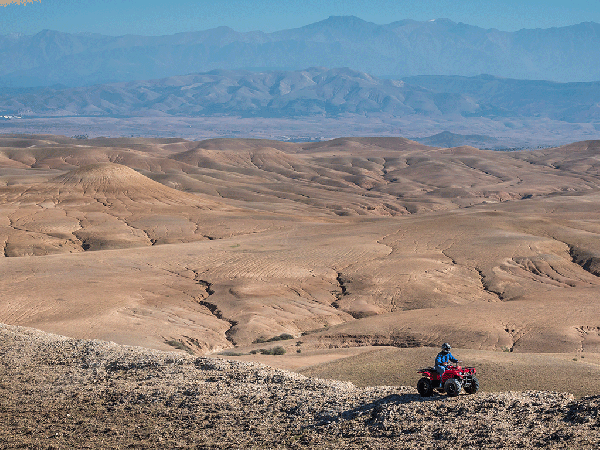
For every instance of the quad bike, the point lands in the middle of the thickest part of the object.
(454, 379)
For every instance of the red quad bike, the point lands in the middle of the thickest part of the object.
(455, 379)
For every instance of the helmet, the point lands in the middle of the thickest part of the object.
(446, 347)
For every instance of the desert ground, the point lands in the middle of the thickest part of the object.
(364, 253)
(96, 394)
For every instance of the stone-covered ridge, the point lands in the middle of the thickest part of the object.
(62, 392)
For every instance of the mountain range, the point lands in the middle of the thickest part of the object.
(395, 50)
(313, 92)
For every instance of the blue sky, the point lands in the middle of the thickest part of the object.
(153, 17)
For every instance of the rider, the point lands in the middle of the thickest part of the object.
(441, 360)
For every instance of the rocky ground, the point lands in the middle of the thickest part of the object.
(57, 392)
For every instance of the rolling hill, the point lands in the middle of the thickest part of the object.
(315, 92)
(352, 242)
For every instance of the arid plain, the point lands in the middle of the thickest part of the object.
(347, 245)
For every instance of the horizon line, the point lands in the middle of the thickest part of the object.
(19, 34)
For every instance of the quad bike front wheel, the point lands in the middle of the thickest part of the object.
(425, 387)
(452, 387)
(473, 386)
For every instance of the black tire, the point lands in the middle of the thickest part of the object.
(424, 387)
(473, 387)
(452, 387)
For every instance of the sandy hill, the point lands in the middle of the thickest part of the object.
(119, 180)
(107, 205)
(366, 143)
(579, 157)
(245, 144)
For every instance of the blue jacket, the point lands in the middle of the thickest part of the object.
(443, 358)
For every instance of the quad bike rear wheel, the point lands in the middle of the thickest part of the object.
(452, 387)
(424, 387)
(473, 386)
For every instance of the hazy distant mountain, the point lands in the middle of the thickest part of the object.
(448, 139)
(570, 102)
(314, 91)
(399, 49)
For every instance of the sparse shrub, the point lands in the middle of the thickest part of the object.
(279, 350)
(298, 350)
(281, 337)
(232, 353)
(306, 333)
(180, 346)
